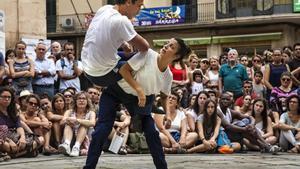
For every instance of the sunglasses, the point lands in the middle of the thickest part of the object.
(286, 79)
(34, 104)
(173, 97)
(67, 96)
(256, 61)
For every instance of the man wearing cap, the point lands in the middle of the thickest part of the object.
(232, 75)
(204, 65)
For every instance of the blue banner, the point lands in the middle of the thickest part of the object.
(160, 16)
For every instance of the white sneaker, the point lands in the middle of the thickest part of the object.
(75, 151)
(274, 149)
(64, 148)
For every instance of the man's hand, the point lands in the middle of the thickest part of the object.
(141, 97)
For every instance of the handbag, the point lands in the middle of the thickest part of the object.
(223, 139)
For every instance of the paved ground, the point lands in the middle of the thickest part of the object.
(205, 161)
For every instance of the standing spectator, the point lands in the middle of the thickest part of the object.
(204, 65)
(2, 68)
(69, 69)
(213, 73)
(295, 63)
(55, 51)
(273, 71)
(193, 64)
(43, 81)
(232, 72)
(258, 87)
(7, 80)
(257, 64)
(244, 61)
(21, 69)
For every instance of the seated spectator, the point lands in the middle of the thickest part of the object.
(38, 123)
(69, 101)
(192, 100)
(56, 116)
(176, 138)
(246, 107)
(18, 142)
(247, 90)
(289, 125)
(121, 125)
(77, 123)
(22, 106)
(94, 95)
(263, 123)
(208, 126)
(244, 127)
(198, 109)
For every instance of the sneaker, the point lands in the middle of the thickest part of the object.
(273, 149)
(225, 149)
(64, 148)
(75, 152)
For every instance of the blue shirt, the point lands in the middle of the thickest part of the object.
(233, 78)
(44, 65)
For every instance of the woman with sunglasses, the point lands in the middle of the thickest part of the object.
(37, 121)
(279, 95)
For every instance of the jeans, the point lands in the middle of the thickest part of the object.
(109, 100)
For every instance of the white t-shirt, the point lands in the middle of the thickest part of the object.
(196, 88)
(148, 75)
(68, 70)
(106, 33)
(192, 113)
(176, 123)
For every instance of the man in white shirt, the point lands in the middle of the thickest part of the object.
(109, 30)
(151, 75)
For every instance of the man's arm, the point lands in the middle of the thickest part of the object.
(227, 125)
(139, 43)
(125, 71)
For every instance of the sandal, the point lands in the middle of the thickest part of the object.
(296, 149)
(122, 150)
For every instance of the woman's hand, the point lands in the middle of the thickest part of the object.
(207, 144)
(13, 147)
(21, 143)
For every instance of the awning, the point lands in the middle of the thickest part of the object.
(225, 39)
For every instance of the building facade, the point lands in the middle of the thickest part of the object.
(210, 26)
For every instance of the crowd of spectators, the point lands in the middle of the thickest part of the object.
(219, 104)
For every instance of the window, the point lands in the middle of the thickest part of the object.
(111, 2)
(51, 15)
(223, 6)
(263, 5)
(244, 3)
(282, 2)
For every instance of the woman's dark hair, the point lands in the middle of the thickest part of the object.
(55, 97)
(286, 74)
(264, 113)
(197, 72)
(173, 92)
(11, 109)
(123, 1)
(290, 98)
(209, 122)
(21, 42)
(36, 97)
(196, 106)
(183, 50)
(8, 52)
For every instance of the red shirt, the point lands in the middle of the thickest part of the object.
(178, 74)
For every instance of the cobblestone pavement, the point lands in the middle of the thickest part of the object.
(195, 161)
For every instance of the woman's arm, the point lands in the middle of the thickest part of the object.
(31, 70)
(217, 128)
(125, 71)
(12, 70)
(90, 122)
(159, 121)
(267, 77)
(269, 130)
(54, 117)
(191, 122)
